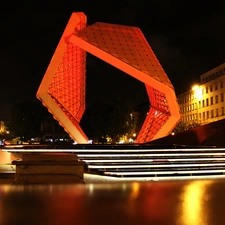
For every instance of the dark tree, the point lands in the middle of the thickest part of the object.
(26, 119)
(85, 123)
(183, 126)
(119, 117)
(98, 120)
(141, 113)
(104, 120)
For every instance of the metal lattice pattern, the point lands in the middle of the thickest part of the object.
(157, 100)
(65, 82)
(70, 73)
(124, 48)
(128, 45)
(152, 124)
(157, 116)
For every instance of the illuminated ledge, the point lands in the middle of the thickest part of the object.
(19, 148)
(124, 155)
(179, 152)
(152, 155)
(153, 166)
(144, 179)
(163, 173)
(150, 160)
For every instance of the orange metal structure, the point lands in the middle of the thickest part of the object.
(62, 89)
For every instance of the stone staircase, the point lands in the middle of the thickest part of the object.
(144, 161)
(154, 161)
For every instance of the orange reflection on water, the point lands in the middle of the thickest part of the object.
(135, 190)
(194, 207)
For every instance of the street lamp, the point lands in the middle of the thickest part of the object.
(197, 92)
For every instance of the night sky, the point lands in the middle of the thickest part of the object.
(188, 38)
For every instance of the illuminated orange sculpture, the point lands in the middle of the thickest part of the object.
(62, 89)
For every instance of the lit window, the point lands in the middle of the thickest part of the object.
(212, 113)
(216, 98)
(217, 112)
(211, 100)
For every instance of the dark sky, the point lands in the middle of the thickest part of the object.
(188, 38)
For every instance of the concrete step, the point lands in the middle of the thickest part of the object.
(143, 160)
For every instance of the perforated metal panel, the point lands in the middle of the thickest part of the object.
(127, 49)
(157, 116)
(62, 90)
(128, 44)
(68, 84)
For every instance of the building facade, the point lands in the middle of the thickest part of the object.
(204, 103)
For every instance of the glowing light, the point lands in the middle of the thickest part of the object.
(131, 140)
(91, 188)
(194, 202)
(197, 92)
(151, 155)
(150, 160)
(154, 166)
(135, 190)
(19, 148)
(155, 173)
(195, 87)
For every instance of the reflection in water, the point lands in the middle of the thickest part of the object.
(194, 209)
(1, 213)
(135, 190)
(176, 202)
(91, 188)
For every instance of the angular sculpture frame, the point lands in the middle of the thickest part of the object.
(62, 89)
